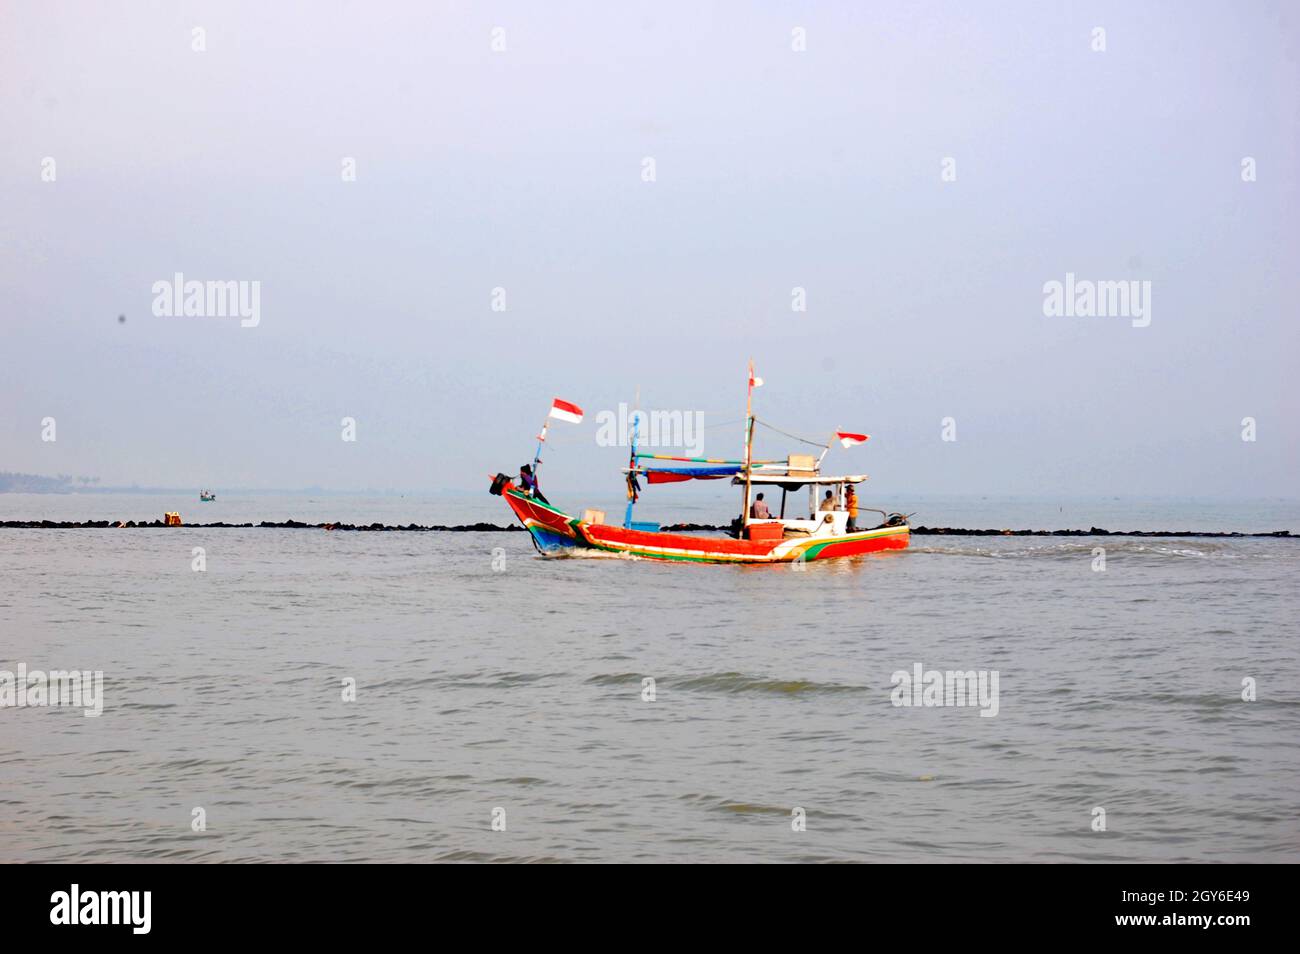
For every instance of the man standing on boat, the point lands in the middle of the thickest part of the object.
(759, 511)
(528, 481)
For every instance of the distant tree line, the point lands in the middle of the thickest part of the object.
(15, 483)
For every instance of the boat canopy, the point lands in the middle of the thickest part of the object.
(659, 474)
(793, 480)
(665, 474)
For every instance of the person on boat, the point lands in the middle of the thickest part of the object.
(528, 481)
(759, 511)
(828, 502)
(851, 505)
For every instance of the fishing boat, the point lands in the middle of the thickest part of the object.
(827, 530)
(207, 495)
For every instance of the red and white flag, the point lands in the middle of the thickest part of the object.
(564, 411)
(848, 440)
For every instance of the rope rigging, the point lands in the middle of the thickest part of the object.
(796, 437)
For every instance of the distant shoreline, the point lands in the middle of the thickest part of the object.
(234, 492)
(676, 528)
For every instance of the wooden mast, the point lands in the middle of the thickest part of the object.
(631, 463)
(749, 439)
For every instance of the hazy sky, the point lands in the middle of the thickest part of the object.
(775, 168)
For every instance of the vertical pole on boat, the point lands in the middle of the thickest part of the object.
(825, 450)
(631, 463)
(749, 439)
(541, 439)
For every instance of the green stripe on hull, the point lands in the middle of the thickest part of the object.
(538, 504)
(812, 551)
(646, 555)
(809, 553)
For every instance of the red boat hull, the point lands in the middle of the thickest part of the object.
(555, 532)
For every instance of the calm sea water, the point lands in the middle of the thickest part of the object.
(489, 678)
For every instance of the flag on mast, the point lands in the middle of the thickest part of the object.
(848, 440)
(566, 411)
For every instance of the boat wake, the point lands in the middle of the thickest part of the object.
(732, 682)
(583, 553)
(1201, 550)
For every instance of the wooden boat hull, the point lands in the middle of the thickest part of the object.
(556, 533)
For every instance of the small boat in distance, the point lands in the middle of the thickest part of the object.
(829, 530)
(207, 495)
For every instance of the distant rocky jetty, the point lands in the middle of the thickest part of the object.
(962, 532)
(267, 524)
(675, 528)
(1092, 532)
